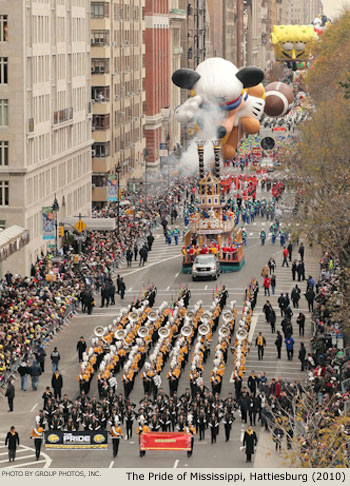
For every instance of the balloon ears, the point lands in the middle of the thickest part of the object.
(250, 76)
(185, 78)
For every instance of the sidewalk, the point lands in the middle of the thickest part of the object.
(266, 455)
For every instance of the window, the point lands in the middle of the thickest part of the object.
(99, 66)
(100, 38)
(4, 113)
(101, 149)
(3, 28)
(4, 193)
(3, 70)
(101, 122)
(99, 10)
(100, 93)
(4, 153)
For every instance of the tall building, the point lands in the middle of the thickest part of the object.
(157, 82)
(216, 26)
(194, 40)
(117, 91)
(45, 116)
(177, 18)
(229, 30)
(259, 51)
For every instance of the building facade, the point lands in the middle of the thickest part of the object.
(229, 31)
(45, 116)
(117, 92)
(259, 51)
(177, 18)
(157, 83)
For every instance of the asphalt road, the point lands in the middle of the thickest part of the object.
(164, 269)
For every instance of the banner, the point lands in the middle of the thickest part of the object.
(112, 188)
(48, 223)
(85, 439)
(166, 441)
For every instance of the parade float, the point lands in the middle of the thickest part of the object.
(225, 103)
(212, 229)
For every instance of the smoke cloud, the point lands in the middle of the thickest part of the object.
(208, 119)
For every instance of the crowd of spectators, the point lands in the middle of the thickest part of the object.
(33, 307)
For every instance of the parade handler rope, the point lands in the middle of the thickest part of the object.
(166, 441)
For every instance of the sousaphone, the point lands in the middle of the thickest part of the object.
(120, 334)
(99, 331)
(142, 332)
(241, 335)
(203, 329)
(163, 332)
(133, 317)
(227, 316)
(186, 330)
(153, 316)
(224, 331)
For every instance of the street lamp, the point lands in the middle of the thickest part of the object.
(55, 209)
(118, 171)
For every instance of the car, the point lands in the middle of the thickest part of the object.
(205, 266)
(267, 164)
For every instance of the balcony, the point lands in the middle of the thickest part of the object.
(62, 116)
(99, 194)
(101, 166)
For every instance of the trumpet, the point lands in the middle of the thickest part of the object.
(120, 334)
(203, 329)
(99, 331)
(142, 332)
(224, 331)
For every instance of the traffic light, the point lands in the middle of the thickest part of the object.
(61, 231)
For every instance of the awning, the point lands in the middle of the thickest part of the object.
(92, 224)
(12, 239)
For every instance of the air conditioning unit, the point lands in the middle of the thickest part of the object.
(142, 116)
(116, 97)
(122, 88)
(136, 118)
(93, 153)
(127, 42)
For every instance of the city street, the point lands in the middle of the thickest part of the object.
(164, 269)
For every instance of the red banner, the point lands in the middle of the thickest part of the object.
(279, 129)
(166, 441)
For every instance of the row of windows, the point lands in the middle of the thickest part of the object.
(41, 185)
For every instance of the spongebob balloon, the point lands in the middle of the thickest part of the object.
(293, 43)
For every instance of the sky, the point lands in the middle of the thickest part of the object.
(332, 7)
